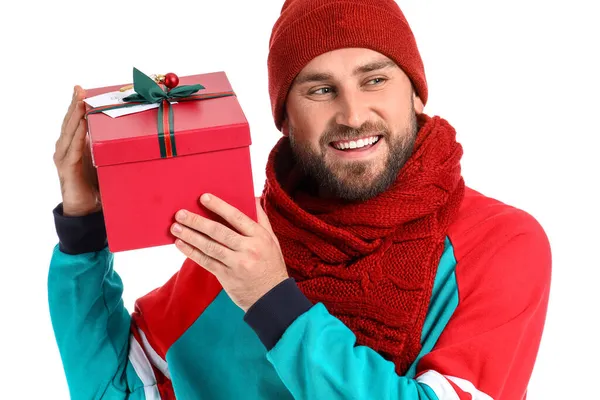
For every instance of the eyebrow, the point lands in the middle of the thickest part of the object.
(362, 69)
(374, 66)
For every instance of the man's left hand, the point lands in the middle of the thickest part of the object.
(248, 263)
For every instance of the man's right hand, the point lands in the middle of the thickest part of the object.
(78, 177)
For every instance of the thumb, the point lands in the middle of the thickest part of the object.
(263, 220)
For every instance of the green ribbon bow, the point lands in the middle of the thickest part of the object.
(147, 91)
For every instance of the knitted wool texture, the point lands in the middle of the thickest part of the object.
(309, 28)
(373, 263)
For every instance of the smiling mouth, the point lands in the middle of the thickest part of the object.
(359, 144)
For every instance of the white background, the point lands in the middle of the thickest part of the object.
(518, 80)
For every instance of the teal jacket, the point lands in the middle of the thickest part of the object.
(188, 340)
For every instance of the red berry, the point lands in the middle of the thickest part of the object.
(171, 80)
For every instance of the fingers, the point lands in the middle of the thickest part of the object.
(74, 100)
(212, 229)
(213, 265)
(240, 221)
(71, 124)
(76, 148)
(76, 117)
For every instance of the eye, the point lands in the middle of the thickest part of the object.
(376, 81)
(322, 90)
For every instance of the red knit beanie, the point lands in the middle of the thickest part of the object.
(308, 28)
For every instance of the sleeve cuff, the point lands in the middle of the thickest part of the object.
(78, 235)
(273, 313)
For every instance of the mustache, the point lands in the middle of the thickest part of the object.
(343, 132)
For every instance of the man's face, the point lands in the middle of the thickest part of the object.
(350, 116)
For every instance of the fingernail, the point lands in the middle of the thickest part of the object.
(205, 198)
(176, 228)
(181, 214)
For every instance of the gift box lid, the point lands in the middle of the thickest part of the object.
(199, 126)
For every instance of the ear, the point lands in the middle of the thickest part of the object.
(418, 104)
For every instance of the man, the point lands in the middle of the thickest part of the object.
(372, 272)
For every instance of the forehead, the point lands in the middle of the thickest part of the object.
(344, 63)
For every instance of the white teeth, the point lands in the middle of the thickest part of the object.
(356, 144)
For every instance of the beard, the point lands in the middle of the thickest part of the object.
(355, 180)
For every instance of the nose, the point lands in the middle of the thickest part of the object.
(352, 110)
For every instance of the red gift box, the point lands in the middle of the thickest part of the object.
(142, 189)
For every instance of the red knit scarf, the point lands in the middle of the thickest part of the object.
(372, 264)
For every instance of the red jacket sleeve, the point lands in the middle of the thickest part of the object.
(489, 347)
